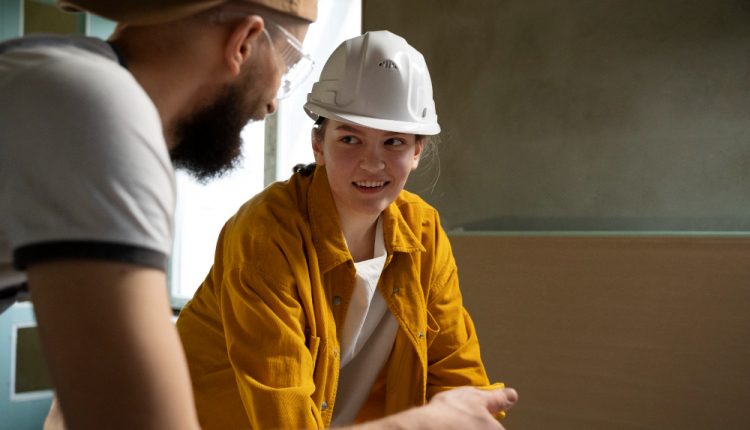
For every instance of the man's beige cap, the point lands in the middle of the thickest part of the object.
(143, 12)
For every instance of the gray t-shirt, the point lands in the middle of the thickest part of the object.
(84, 168)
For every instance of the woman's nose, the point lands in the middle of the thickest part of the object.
(372, 160)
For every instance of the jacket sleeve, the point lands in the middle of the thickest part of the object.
(452, 345)
(264, 332)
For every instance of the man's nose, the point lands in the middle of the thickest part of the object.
(271, 107)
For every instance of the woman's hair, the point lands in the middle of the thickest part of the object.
(304, 169)
(429, 155)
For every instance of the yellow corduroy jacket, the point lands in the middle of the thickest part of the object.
(260, 334)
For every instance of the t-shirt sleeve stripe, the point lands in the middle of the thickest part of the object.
(27, 255)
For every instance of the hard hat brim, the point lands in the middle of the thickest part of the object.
(315, 111)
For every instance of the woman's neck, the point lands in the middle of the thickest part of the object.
(360, 237)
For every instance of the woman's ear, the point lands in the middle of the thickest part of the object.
(317, 147)
(238, 47)
(418, 148)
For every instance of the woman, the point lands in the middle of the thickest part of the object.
(334, 296)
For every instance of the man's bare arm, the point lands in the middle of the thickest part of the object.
(113, 352)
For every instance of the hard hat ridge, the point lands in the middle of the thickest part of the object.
(379, 81)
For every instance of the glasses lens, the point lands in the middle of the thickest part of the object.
(298, 65)
(295, 76)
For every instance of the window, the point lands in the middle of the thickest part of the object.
(29, 379)
(25, 385)
(202, 210)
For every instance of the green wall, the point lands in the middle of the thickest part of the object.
(18, 17)
(585, 114)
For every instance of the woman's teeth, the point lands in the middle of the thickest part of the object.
(370, 184)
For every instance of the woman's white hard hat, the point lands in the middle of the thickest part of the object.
(376, 80)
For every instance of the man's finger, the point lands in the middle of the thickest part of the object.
(500, 400)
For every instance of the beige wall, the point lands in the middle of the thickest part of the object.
(613, 333)
(585, 114)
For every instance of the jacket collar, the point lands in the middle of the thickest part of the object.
(326, 230)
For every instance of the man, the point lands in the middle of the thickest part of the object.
(87, 130)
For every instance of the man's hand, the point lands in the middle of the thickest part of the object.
(470, 408)
(461, 408)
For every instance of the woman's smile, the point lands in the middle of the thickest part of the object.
(370, 187)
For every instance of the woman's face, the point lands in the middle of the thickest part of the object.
(367, 168)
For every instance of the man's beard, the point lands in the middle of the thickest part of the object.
(208, 142)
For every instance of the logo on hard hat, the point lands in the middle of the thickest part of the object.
(388, 64)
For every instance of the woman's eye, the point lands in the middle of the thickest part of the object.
(394, 142)
(349, 139)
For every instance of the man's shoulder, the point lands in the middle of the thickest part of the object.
(76, 84)
(31, 56)
(57, 45)
(62, 66)
(86, 154)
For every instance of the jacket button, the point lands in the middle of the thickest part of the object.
(336, 300)
(323, 406)
(421, 335)
(396, 290)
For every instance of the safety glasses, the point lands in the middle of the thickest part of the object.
(298, 65)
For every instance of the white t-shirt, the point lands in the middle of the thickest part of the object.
(366, 338)
(84, 168)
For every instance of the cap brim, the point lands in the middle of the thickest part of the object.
(148, 12)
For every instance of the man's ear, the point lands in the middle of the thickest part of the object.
(239, 44)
